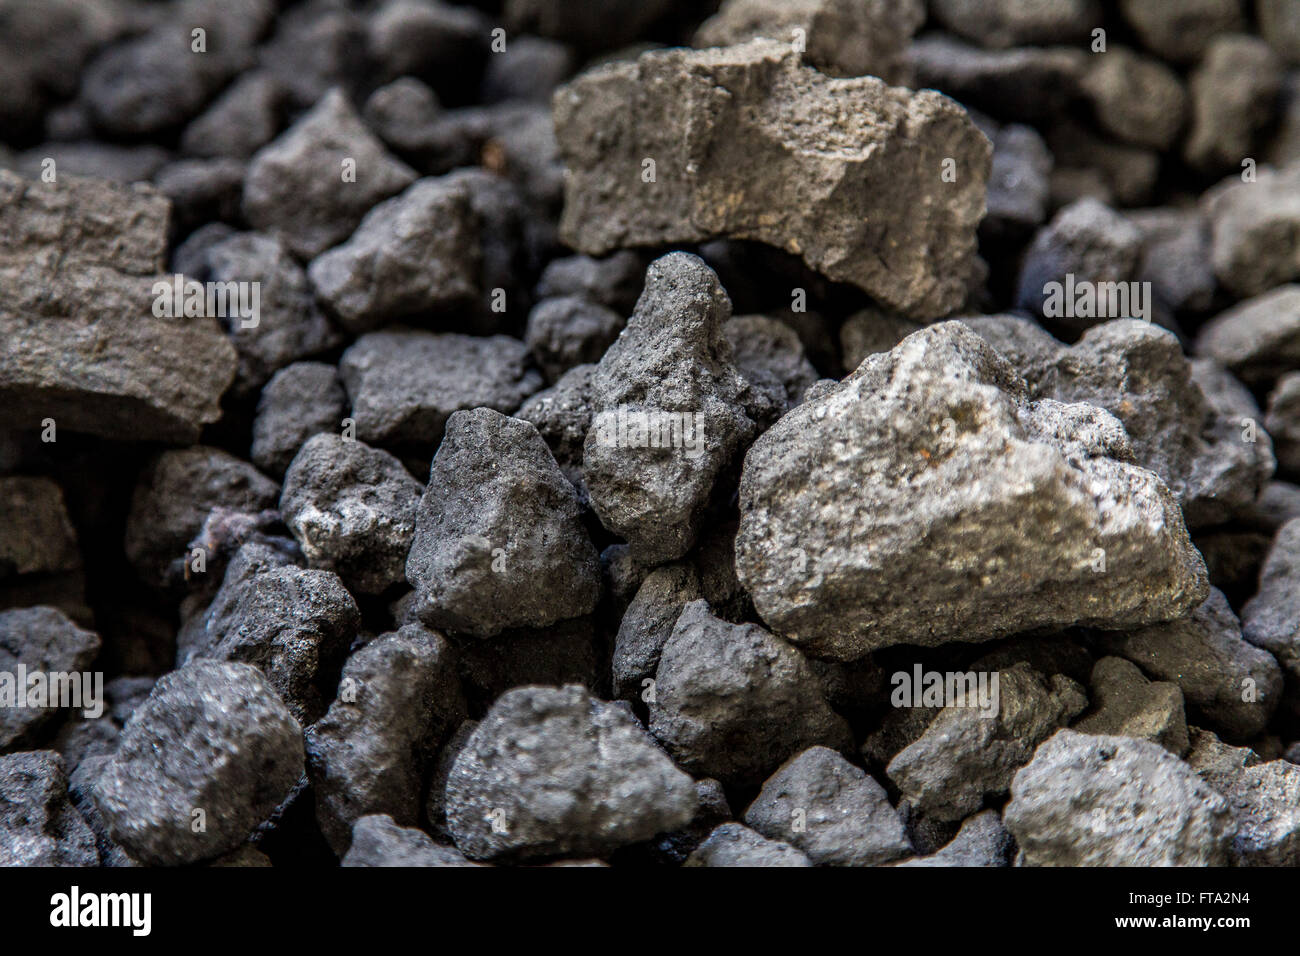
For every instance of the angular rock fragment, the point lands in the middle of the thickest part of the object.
(378, 841)
(648, 624)
(498, 541)
(821, 804)
(352, 509)
(869, 331)
(240, 121)
(173, 498)
(732, 701)
(1257, 340)
(213, 743)
(769, 354)
(1019, 186)
(1136, 98)
(1115, 801)
(669, 412)
(967, 754)
(861, 198)
(40, 643)
(300, 400)
(925, 500)
(562, 415)
(1283, 422)
(530, 68)
(553, 772)
(1181, 32)
(404, 383)
(295, 625)
(372, 752)
(298, 186)
(1006, 23)
(85, 345)
(1232, 97)
(732, 844)
(1279, 22)
(413, 254)
(569, 331)
(38, 824)
(36, 535)
(1255, 227)
(1124, 174)
(1176, 257)
(1229, 684)
(614, 282)
(676, 847)
(427, 38)
(1126, 704)
(981, 841)
(839, 37)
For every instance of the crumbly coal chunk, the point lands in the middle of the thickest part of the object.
(300, 400)
(39, 826)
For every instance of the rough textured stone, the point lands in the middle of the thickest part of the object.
(846, 817)
(562, 415)
(404, 383)
(648, 624)
(1232, 97)
(1176, 257)
(770, 355)
(78, 263)
(530, 68)
(378, 841)
(1256, 230)
(212, 737)
(966, 755)
(371, 753)
(869, 331)
(732, 701)
(1283, 422)
(295, 625)
(498, 541)
(352, 509)
(1181, 32)
(840, 37)
(1019, 183)
(569, 331)
(413, 254)
(673, 367)
(1279, 22)
(861, 530)
(981, 841)
(732, 844)
(36, 535)
(614, 282)
(296, 187)
(1006, 23)
(563, 774)
(1115, 801)
(1126, 704)
(38, 825)
(1136, 98)
(427, 38)
(300, 400)
(43, 641)
(1228, 684)
(1257, 340)
(837, 182)
(240, 121)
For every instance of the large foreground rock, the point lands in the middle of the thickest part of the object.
(924, 500)
(747, 143)
(82, 344)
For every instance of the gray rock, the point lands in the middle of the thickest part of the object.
(1279, 22)
(289, 325)
(295, 625)
(401, 112)
(427, 38)
(732, 844)
(1019, 184)
(1264, 797)
(553, 772)
(300, 400)
(1254, 227)
(569, 331)
(591, 26)
(38, 824)
(404, 383)
(832, 811)
(701, 115)
(352, 509)
(240, 121)
(530, 68)
(862, 529)
(562, 415)
(1115, 801)
(36, 534)
(770, 355)
(1257, 340)
(648, 624)
(1136, 98)
(1283, 421)
(499, 542)
(1176, 257)
(1271, 619)
(614, 282)
(372, 752)
(840, 37)
(675, 848)
(732, 701)
(1232, 97)
(1089, 241)
(174, 496)
(1126, 704)
(378, 841)
(1181, 32)
(122, 164)
(212, 737)
(1007, 23)
(669, 412)
(967, 755)
(1127, 175)
(981, 841)
(79, 260)
(413, 254)
(869, 331)
(46, 644)
(1277, 504)
(1283, 139)
(296, 185)
(1228, 684)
